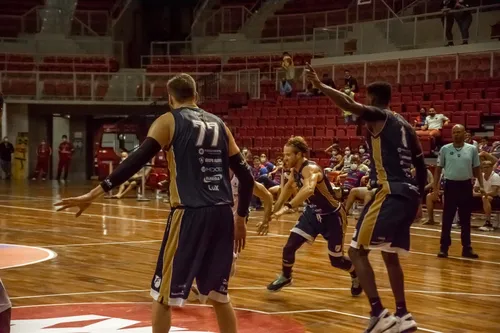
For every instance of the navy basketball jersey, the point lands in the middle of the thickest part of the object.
(323, 200)
(198, 160)
(392, 151)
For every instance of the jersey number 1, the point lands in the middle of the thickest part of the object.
(203, 132)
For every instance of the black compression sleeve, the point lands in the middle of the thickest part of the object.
(132, 164)
(242, 171)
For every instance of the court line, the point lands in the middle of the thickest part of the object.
(236, 308)
(280, 220)
(287, 289)
(50, 255)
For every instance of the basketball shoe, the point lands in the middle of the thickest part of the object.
(406, 324)
(356, 289)
(383, 323)
(279, 283)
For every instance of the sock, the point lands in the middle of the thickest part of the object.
(353, 274)
(287, 272)
(401, 309)
(376, 305)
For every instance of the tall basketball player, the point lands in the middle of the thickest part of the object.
(200, 236)
(385, 221)
(5, 305)
(323, 214)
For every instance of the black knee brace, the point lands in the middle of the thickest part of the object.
(341, 263)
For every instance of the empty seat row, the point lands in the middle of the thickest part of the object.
(332, 130)
(55, 88)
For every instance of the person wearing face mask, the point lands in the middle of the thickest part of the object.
(265, 162)
(43, 154)
(66, 151)
(469, 140)
(336, 159)
(352, 177)
(420, 120)
(347, 159)
(363, 153)
(6, 151)
(433, 124)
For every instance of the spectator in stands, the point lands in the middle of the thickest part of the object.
(433, 124)
(351, 82)
(364, 155)
(336, 159)
(349, 118)
(6, 151)
(464, 19)
(469, 140)
(363, 194)
(258, 169)
(420, 120)
(43, 154)
(460, 162)
(495, 149)
(328, 80)
(66, 151)
(484, 145)
(246, 154)
(285, 88)
(288, 66)
(492, 193)
(484, 156)
(448, 20)
(352, 176)
(276, 174)
(347, 159)
(265, 162)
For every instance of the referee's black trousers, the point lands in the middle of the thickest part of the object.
(457, 195)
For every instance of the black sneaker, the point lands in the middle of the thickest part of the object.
(469, 253)
(279, 283)
(443, 253)
(356, 289)
(487, 226)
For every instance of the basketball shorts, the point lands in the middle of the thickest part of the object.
(385, 221)
(4, 299)
(198, 245)
(331, 226)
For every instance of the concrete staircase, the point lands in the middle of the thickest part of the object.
(203, 12)
(255, 24)
(56, 16)
(123, 84)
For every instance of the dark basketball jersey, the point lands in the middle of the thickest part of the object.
(392, 152)
(198, 160)
(323, 200)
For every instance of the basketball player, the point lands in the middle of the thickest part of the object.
(385, 221)
(5, 305)
(323, 214)
(200, 235)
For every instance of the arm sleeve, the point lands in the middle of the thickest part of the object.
(242, 171)
(130, 166)
(418, 162)
(372, 113)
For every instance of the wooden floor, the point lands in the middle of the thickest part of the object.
(109, 255)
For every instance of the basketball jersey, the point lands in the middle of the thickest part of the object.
(323, 200)
(198, 160)
(392, 153)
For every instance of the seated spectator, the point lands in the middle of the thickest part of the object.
(365, 165)
(469, 140)
(265, 162)
(492, 196)
(484, 145)
(285, 88)
(328, 81)
(364, 154)
(420, 120)
(258, 169)
(353, 176)
(495, 149)
(336, 160)
(346, 164)
(484, 156)
(288, 66)
(433, 124)
(363, 194)
(277, 172)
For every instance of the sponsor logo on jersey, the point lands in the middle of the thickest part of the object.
(212, 179)
(213, 188)
(136, 318)
(211, 169)
(213, 160)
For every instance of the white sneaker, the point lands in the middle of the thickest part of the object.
(384, 323)
(406, 324)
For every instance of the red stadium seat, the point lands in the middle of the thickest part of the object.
(476, 93)
(320, 131)
(426, 143)
(482, 105)
(439, 106)
(458, 117)
(435, 96)
(492, 93)
(428, 88)
(412, 107)
(495, 107)
(461, 94)
(452, 106)
(448, 95)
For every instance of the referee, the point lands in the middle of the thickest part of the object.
(460, 162)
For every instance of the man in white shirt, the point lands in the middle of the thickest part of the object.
(492, 196)
(5, 310)
(433, 124)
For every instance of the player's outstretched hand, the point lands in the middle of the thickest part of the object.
(312, 76)
(82, 202)
(263, 228)
(240, 233)
(280, 212)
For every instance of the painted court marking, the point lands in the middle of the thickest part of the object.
(25, 262)
(347, 314)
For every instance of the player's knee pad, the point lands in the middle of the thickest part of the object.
(340, 262)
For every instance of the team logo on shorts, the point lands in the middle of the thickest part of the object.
(136, 318)
(157, 282)
(338, 248)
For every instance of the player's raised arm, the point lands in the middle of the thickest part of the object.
(160, 135)
(266, 197)
(343, 101)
